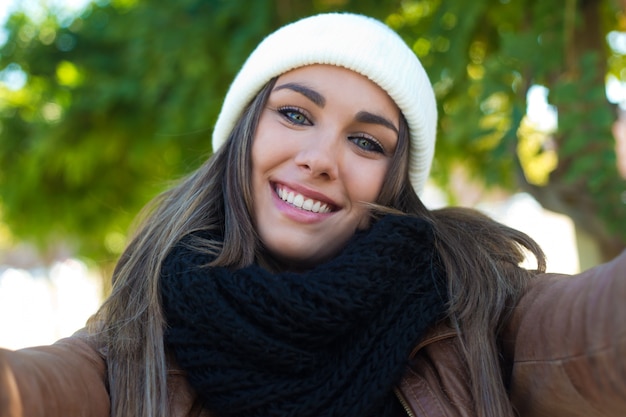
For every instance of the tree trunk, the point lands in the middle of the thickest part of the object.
(582, 36)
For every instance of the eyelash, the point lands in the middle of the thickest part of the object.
(376, 146)
(289, 111)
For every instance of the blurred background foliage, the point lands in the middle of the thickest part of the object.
(111, 105)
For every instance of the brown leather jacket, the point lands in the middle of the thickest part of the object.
(564, 350)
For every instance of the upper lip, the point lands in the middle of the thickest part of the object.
(308, 193)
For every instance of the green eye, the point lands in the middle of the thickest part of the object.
(367, 144)
(294, 116)
(364, 143)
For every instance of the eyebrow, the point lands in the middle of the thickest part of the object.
(362, 116)
(367, 117)
(309, 93)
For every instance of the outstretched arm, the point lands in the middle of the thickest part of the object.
(65, 379)
(567, 342)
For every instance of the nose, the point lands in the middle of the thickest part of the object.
(319, 156)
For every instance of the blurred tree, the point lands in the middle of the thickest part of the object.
(122, 99)
(117, 102)
(483, 57)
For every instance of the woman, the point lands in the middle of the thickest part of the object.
(297, 272)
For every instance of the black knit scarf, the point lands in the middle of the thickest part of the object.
(331, 341)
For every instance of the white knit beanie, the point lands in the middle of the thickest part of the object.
(359, 43)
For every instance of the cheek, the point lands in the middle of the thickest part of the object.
(269, 146)
(365, 186)
(263, 154)
(366, 183)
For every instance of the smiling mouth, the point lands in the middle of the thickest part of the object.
(302, 202)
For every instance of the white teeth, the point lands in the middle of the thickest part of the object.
(299, 201)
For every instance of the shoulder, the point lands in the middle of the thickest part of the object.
(436, 381)
(79, 351)
(183, 399)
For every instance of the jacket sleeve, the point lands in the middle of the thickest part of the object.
(66, 379)
(567, 345)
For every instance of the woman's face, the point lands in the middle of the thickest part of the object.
(323, 145)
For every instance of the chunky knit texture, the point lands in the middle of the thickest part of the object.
(331, 341)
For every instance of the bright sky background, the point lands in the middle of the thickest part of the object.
(35, 8)
(12, 76)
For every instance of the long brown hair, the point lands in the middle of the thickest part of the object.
(481, 258)
(130, 322)
(482, 261)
